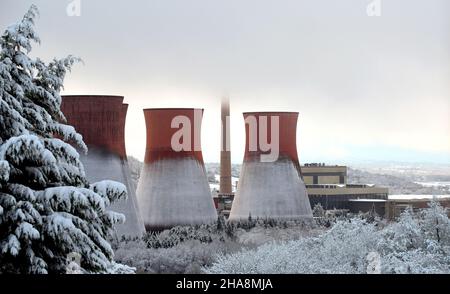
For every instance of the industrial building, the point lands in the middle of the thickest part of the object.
(101, 122)
(394, 205)
(266, 188)
(327, 185)
(319, 173)
(173, 187)
(223, 203)
(364, 205)
(398, 203)
(333, 192)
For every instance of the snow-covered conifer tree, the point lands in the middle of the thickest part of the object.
(48, 210)
(436, 223)
(318, 210)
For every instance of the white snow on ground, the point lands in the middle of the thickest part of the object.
(260, 235)
(418, 243)
(434, 184)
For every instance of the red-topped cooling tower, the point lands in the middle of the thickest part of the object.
(173, 188)
(270, 185)
(100, 119)
(101, 122)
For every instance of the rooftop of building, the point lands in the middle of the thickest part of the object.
(367, 200)
(319, 164)
(331, 186)
(407, 197)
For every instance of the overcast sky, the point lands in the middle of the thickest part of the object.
(366, 88)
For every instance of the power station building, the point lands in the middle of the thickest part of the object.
(101, 122)
(173, 188)
(271, 187)
(327, 185)
(319, 174)
(398, 203)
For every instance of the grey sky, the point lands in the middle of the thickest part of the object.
(366, 87)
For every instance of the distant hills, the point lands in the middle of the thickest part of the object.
(400, 179)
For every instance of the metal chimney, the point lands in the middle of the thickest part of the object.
(271, 189)
(173, 188)
(101, 122)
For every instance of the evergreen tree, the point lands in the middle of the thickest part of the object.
(220, 223)
(318, 211)
(48, 209)
(436, 223)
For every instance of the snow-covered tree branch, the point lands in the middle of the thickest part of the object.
(48, 209)
(415, 243)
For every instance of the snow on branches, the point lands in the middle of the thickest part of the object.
(415, 243)
(48, 209)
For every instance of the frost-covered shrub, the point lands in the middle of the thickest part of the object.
(436, 224)
(328, 253)
(221, 231)
(401, 236)
(355, 245)
(176, 235)
(417, 261)
(185, 257)
(187, 249)
(318, 211)
(417, 243)
(251, 223)
(48, 210)
(414, 244)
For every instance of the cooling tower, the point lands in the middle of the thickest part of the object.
(173, 188)
(101, 122)
(271, 187)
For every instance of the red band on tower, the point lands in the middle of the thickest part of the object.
(99, 119)
(287, 133)
(159, 133)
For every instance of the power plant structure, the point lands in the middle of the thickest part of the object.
(225, 153)
(271, 184)
(327, 185)
(101, 122)
(173, 187)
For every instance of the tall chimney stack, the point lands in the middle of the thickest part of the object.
(225, 154)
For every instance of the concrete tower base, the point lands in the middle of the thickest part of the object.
(175, 192)
(100, 165)
(173, 188)
(270, 190)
